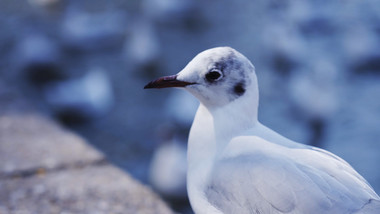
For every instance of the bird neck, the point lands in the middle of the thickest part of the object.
(234, 118)
(213, 128)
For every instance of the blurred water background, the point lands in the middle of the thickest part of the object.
(85, 62)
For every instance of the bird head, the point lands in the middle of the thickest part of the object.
(216, 76)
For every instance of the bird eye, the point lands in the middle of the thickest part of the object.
(214, 75)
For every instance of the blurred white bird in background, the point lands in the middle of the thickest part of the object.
(38, 58)
(238, 165)
(143, 48)
(167, 172)
(85, 31)
(81, 98)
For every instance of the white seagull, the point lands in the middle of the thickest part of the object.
(238, 165)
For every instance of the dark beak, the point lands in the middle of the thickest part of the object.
(167, 82)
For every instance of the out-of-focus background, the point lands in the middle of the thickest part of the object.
(84, 63)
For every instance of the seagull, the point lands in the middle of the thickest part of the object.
(238, 165)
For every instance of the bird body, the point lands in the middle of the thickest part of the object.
(238, 165)
(275, 175)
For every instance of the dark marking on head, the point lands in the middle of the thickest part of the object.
(220, 65)
(227, 64)
(229, 61)
(239, 88)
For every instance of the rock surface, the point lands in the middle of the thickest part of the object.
(31, 141)
(99, 188)
(46, 169)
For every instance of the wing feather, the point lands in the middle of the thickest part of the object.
(271, 178)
